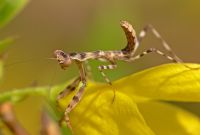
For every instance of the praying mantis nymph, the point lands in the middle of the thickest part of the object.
(126, 54)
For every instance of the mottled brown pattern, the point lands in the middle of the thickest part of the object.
(130, 36)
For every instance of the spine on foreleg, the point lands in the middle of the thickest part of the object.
(130, 36)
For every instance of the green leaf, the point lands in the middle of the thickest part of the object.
(9, 9)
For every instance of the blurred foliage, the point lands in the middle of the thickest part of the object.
(1, 70)
(9, 9)
(5, 43)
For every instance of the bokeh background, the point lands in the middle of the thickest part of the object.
(46, 25)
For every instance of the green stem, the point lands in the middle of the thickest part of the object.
(18, 94)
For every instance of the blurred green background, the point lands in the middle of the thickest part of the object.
(89, 25)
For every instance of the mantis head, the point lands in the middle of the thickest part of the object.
(63, 58)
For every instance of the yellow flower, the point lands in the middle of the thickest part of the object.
(138, 107)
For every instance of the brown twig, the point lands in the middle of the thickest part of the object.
(49, 127)
(9, 119)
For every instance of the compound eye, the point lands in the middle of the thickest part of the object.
(63, 54)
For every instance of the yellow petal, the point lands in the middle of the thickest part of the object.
(167, 82)
(97, 114)
(166, 119)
